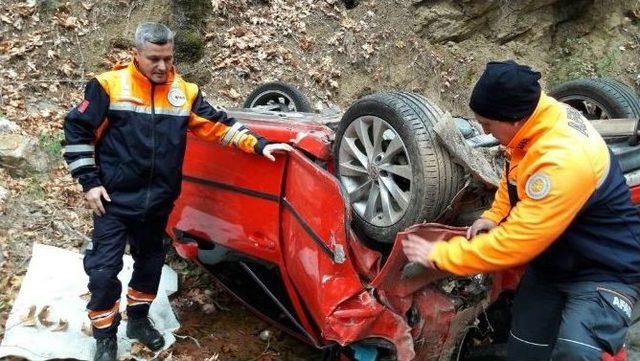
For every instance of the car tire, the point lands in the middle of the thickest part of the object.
(434, 178)
(278, 96)
(599, 98)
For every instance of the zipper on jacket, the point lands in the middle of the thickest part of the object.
(153, 150)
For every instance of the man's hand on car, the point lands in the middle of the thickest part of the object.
(94, 199)
(479, 226)
(417, 249)
(270, 148)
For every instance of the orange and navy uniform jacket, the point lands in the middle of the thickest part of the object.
(570, 213)
(129, 135)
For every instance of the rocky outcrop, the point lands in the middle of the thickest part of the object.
(20, 154)
(504, 20)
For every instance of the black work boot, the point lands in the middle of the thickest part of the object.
(106, 349)
(142, 330)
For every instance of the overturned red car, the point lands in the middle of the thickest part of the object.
(310, 241)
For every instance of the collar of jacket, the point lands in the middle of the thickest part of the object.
(544, 117)
(136, 74)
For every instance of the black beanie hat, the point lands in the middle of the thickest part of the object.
(506, 91)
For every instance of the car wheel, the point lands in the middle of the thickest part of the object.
(390, 164)
(599, 98)
(279, 97)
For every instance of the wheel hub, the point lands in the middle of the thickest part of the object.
(374, 172)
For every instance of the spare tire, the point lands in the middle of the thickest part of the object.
(599, 98)
(390, 164)
(278, 96)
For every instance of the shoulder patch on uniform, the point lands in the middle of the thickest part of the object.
(176, 97)
(538, 185)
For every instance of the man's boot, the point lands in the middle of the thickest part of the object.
(142, 330)
(106, 349)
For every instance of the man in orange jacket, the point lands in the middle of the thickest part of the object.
(125, 144)
(563, 208)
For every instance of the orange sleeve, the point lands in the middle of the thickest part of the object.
(538, 219)
(213, 124)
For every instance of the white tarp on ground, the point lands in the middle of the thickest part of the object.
(56, 278)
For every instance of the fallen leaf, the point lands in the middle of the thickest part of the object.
(87, 329)
(16, 281)
(61, 326)
(86, 296)
(43, 316)
(29, 320)
(138, 349)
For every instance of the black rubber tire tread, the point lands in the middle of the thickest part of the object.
(300, 100)
(630, 97)
(618, 99)
(436, 179)
(453, 172)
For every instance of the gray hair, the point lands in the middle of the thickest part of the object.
(154, 33)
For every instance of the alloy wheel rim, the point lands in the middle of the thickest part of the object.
(590, 108)
(375, 169)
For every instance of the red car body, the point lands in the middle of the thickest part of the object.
(291, 218)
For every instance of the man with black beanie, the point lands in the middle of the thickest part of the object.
(562, 208)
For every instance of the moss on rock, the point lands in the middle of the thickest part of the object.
(189, 46)
(189, 16)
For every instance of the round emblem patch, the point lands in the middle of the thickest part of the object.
(538, 185)
(176, 97)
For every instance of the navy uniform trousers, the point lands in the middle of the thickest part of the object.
(577, 321)
(103, 261)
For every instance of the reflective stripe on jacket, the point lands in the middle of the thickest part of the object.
(129, 135)
(573, 217)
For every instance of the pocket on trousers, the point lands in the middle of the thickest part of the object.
(609, 326)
